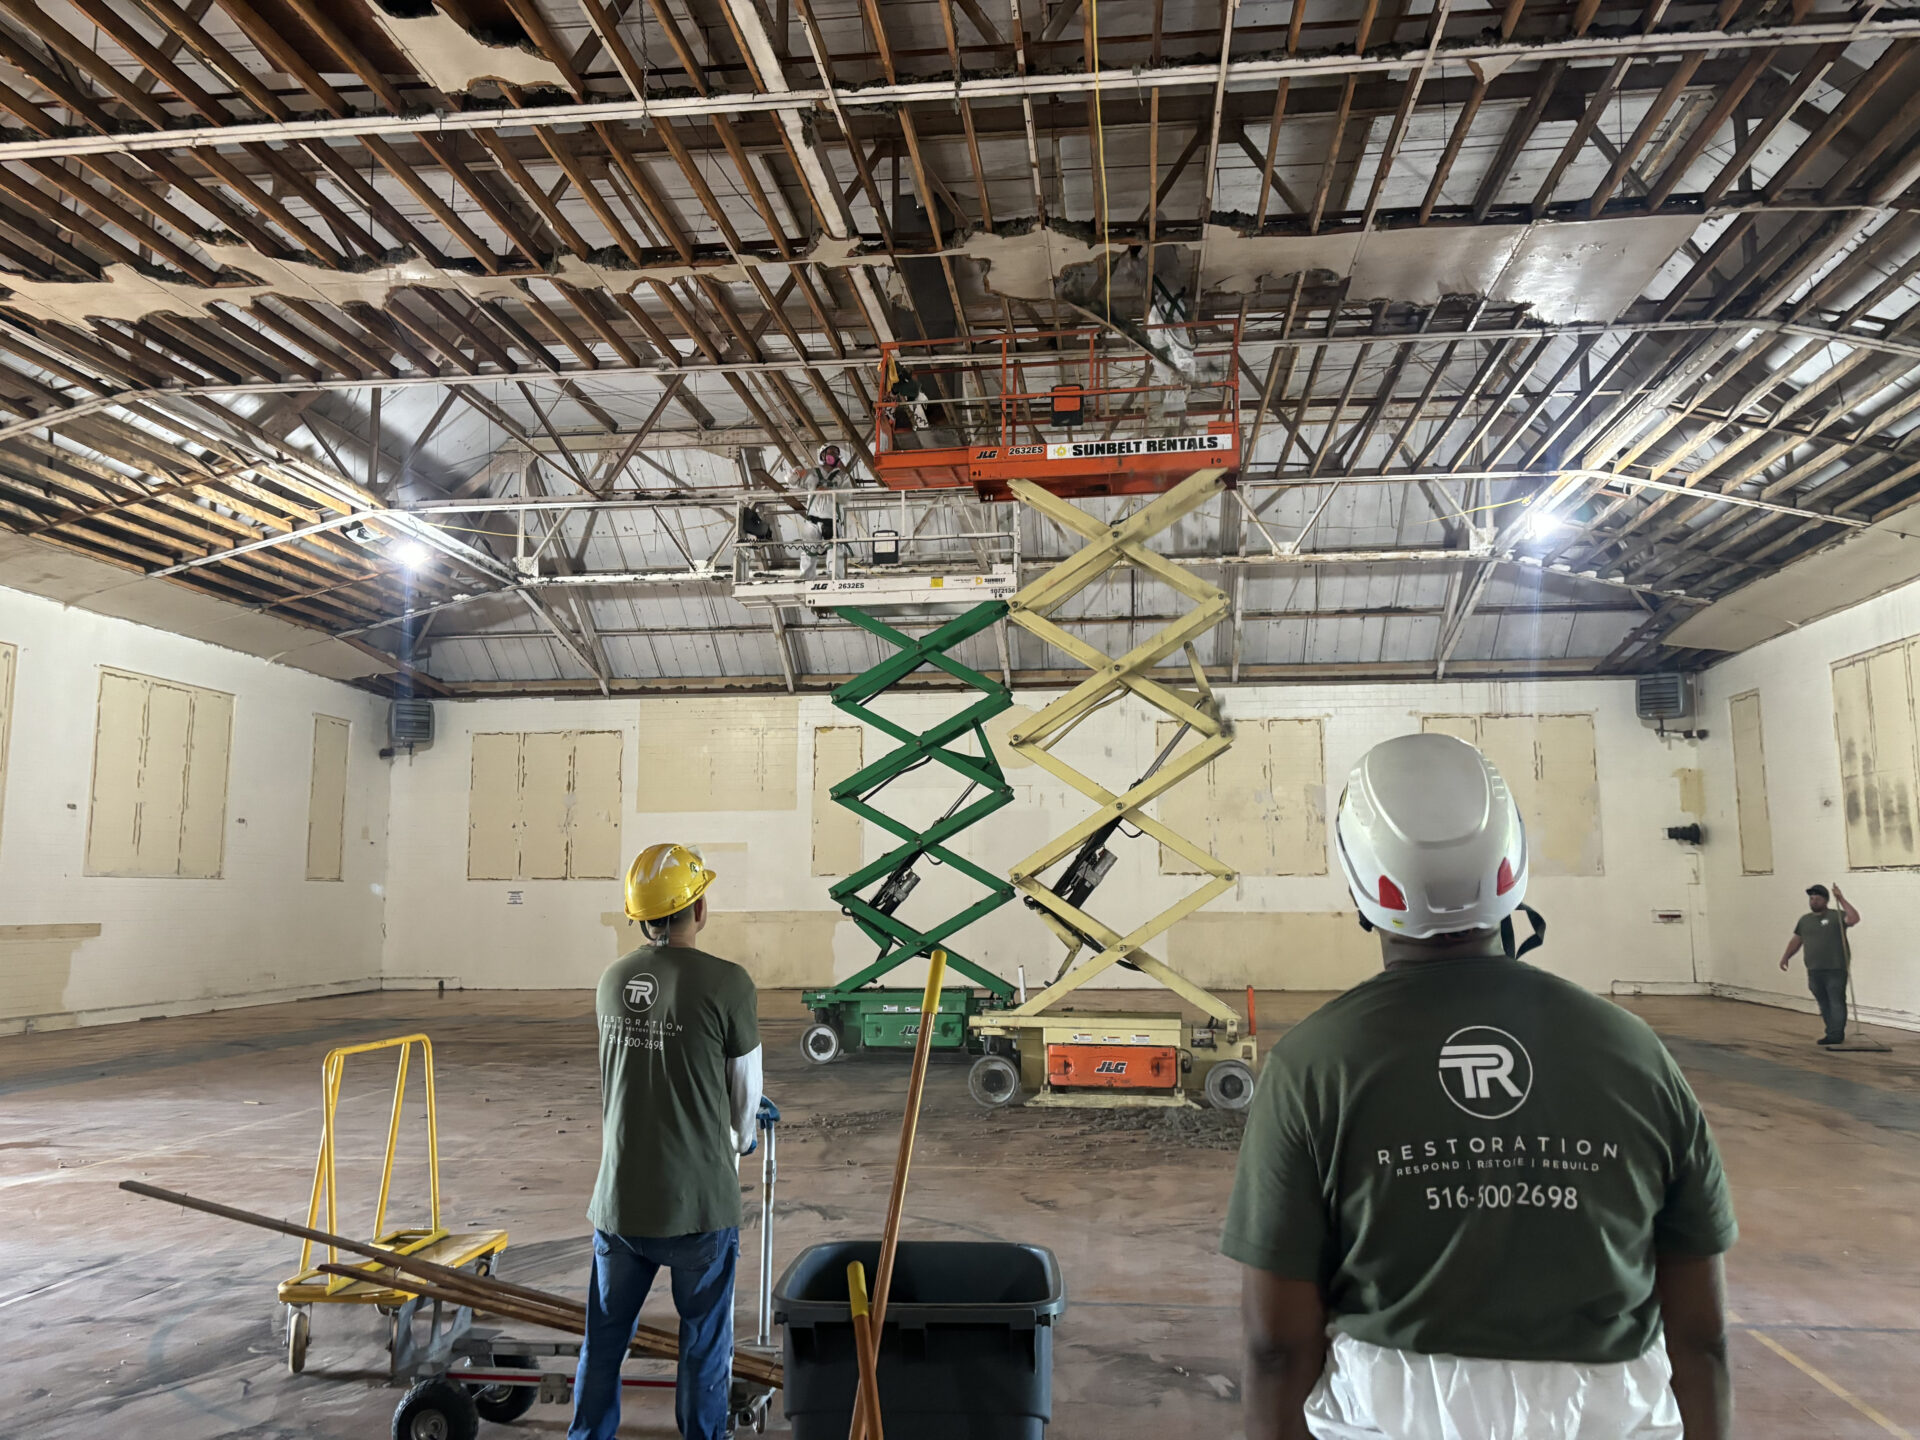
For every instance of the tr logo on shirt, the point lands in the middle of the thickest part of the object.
(1486, 1072)
(641, 992)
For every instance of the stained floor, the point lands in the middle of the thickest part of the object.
(122, 1316)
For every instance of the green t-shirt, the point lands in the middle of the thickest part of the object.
(1474, 1157)
(1823, 939)
(670, 1019)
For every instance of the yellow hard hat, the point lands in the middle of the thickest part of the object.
(664, 880)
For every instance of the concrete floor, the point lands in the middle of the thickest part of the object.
(127, 1317)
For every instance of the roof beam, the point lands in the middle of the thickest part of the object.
(1250, 72)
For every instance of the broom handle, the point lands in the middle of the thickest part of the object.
(867, 1395)
(897, 1198)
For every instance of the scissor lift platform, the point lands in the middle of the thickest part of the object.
(1081, 412)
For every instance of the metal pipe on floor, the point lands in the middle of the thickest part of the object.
(648, 1341)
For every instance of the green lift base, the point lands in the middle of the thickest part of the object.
(849, 1021)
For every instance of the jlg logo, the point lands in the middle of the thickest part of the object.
(1111, 1067)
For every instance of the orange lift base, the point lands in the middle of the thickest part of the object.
(1072, 468)
(1113, 1067)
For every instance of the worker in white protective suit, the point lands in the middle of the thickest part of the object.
(824, 484)
(1474, 1201)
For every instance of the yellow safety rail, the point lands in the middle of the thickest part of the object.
(325, 1181)
(1110, 546)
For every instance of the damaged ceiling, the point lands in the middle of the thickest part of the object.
(1568, 338)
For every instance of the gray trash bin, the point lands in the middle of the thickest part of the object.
(966, 1352)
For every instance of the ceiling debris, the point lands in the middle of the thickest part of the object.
(1862, 564)
(1024, 266)
(1562, 273)
(1604, 320)
(126, 293)
(453, 60)
(58, 574)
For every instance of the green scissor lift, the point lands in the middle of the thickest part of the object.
(861, 1013)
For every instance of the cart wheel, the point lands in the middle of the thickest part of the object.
(994, 1081)
(820, 1043)
(436, 1409)
(299, 1328)
(748, 1409)
(1230, 1086)
(504, 1404)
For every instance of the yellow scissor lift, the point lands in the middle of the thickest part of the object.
(1065, 1057)
(309, 1285)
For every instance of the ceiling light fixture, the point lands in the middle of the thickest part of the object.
(409, 554)
(1541, 524)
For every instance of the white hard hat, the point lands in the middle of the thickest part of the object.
(825, 450)
(1430, 840)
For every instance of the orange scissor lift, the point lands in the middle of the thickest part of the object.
(1046, 418)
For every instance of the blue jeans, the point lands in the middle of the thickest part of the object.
(623, 1270)
(1829, 989)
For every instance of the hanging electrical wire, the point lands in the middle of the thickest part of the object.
(1100, 149)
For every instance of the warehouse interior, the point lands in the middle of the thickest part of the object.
(413, 505)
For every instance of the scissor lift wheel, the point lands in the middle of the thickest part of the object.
(1230, 1085)
(821, 1043)
(994, 1081)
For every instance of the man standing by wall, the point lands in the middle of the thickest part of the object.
(1473, 1199)
(680, 1082)
(1823, 935)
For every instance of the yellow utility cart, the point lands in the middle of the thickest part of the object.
(309, 1285)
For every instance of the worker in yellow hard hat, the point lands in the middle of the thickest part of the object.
(680, 1085)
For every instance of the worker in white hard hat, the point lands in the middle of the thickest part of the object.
(680, 1085)
(824, 483)
(1473, 1199)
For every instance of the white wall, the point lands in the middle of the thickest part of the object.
(561, 933)
(1754, 914)
(169, 946)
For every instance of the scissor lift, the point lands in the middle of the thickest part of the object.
(1067, 1057)
(1042, 417)
(861, 1013)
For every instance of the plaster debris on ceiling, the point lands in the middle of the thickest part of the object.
(1570, 271)
(1023, 267)
(455, 60)
(1565, 272)
(1855, 567)
(1238, 263)
(124, 293)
